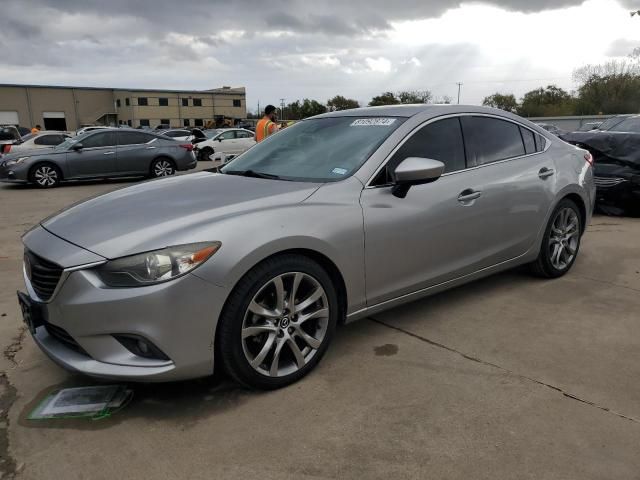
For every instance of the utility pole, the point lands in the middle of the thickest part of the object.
(459, 87)
(259, 112)
(282, 108)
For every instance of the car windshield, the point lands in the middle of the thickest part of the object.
(316, 150)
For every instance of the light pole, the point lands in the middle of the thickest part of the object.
(459, 87)
(282, 108)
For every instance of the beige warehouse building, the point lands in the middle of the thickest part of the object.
(70, 108)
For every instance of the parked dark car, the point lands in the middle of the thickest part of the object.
(615, 147)
(100, 154)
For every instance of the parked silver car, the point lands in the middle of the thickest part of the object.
(103, 153)
(335, 218)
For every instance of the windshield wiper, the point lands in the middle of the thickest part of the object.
(252, 173)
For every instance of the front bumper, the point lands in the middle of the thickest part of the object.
(12, 173)
(179, 317)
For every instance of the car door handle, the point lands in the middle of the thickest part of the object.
(468, 195)
(151, 148)
(108, 153)
(546, 172)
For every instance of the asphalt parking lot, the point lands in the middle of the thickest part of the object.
(508, 377)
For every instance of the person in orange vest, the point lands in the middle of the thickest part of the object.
(267, 124)
(36, 129)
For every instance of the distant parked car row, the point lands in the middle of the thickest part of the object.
(102, 153)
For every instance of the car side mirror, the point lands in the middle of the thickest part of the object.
(77, 146)
(415, 171)
(219, 139)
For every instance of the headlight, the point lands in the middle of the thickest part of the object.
(157, 266)
(14, 162)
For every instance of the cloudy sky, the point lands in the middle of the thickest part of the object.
(299, 48)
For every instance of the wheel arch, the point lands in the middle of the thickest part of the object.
(579, 201)
(45, 162)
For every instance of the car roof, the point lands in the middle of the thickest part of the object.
(414, 109)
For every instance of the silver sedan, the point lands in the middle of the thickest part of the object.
(335, 218)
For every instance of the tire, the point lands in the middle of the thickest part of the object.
(162, 167)
(561, 241)
(256, 327)
(203, 155)
(45, 175)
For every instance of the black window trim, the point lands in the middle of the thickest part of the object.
(369, 183)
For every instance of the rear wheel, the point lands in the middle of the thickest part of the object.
(561, 241)
(162, 167)
(45, 175)
(278, 322)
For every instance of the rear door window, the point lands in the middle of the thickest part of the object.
(490, 139)
(133, 138)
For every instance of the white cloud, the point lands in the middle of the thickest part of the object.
(380, 64)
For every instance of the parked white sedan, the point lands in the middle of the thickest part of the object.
(33, 141)
(225, 145)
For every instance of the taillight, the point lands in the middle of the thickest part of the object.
(7, 148)
(588, 158)
(187, 146)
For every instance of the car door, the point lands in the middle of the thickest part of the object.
(515, 181)
(96, 158)
(245, 140)
(226, 143)
(445, 229)
(135, 150)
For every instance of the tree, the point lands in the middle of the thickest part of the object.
(546, 102)
(611, 87)
(505, 102)
(386, 98)
(292, 110)
(309, 108)
(341, 103)
(415, 96)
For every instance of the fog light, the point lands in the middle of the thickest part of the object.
(144, 348)
(140, 346)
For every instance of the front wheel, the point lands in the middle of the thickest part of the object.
(162, 167)
(45, 176)
(278, 322)
(561, 241)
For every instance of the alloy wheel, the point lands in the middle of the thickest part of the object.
(163, 168)
(46, 176)
(285, 324)
(564, 238)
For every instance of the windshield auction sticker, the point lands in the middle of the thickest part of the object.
(372, 122)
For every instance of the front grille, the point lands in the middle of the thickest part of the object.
(43, 275)
(608, 182)
(63, 337)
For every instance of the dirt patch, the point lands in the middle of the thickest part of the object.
(386, 350)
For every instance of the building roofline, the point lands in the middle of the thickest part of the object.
(222, 91)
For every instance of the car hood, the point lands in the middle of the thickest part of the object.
(172, 211)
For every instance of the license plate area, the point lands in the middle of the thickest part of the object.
(33, 313)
